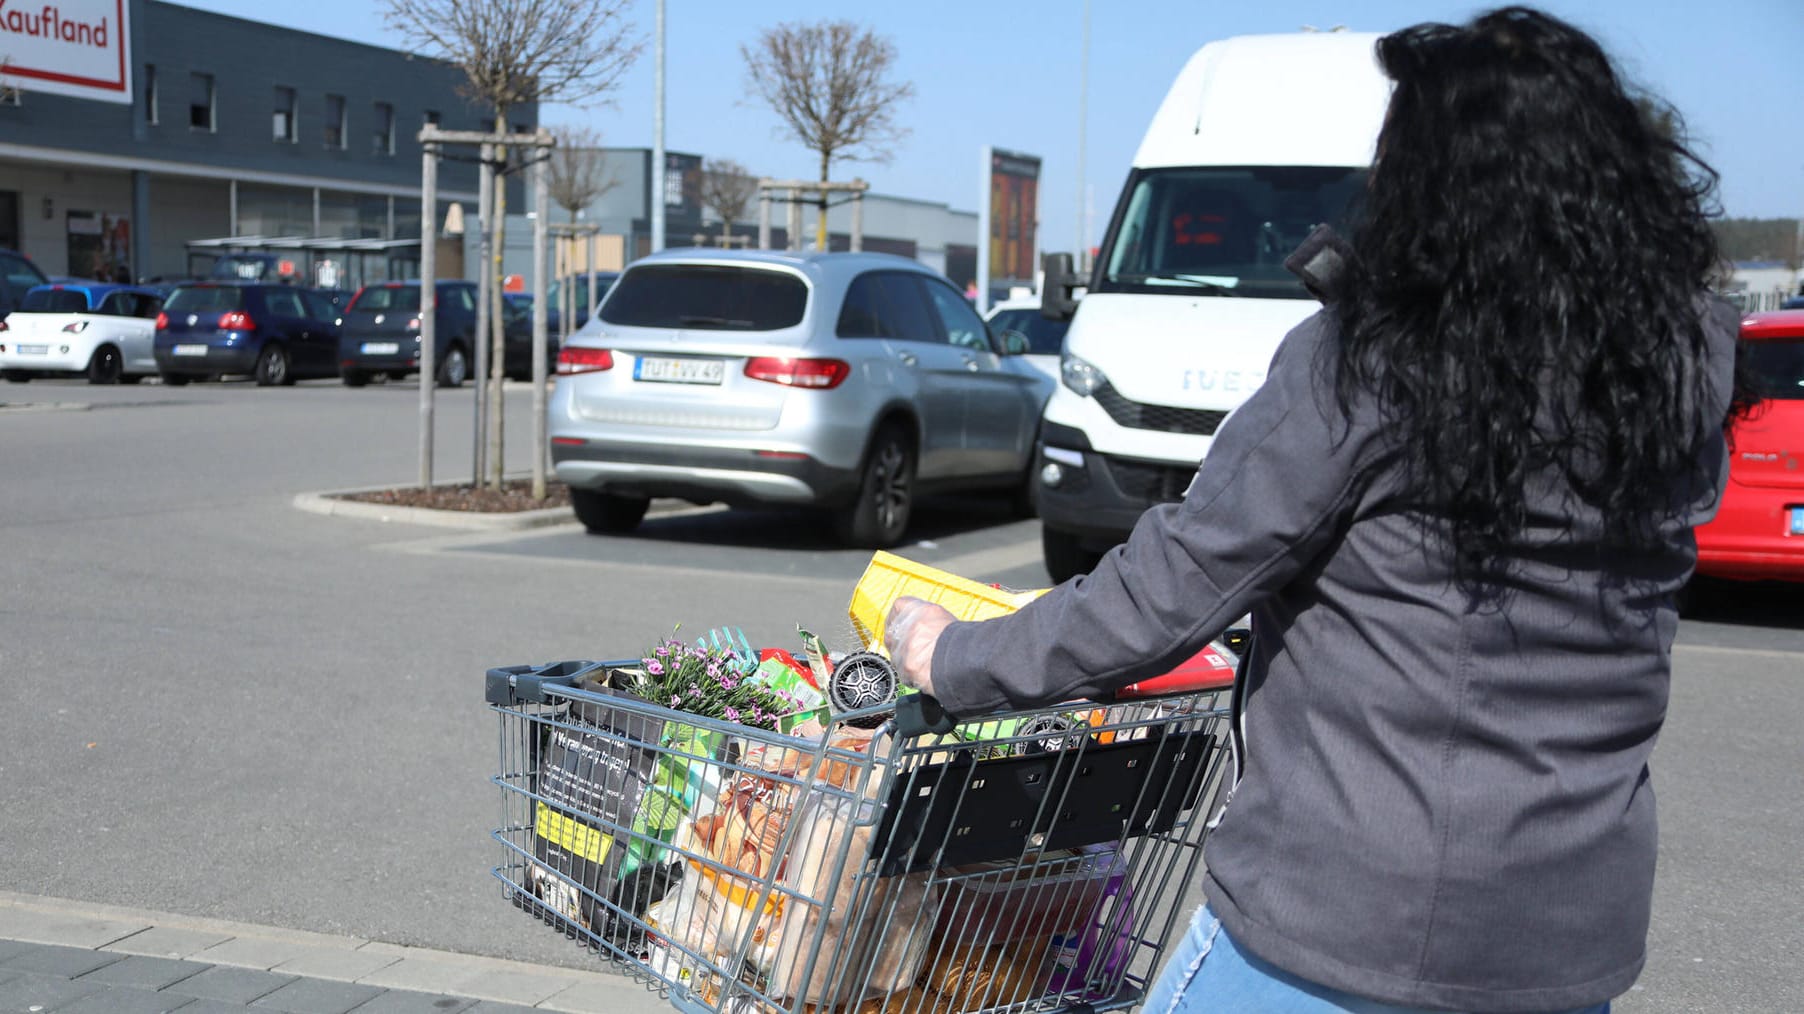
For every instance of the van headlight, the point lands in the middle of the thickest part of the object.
(1081, 376)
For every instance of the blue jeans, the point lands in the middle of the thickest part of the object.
(1206, 972)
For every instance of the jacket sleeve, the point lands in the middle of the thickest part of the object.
(1280, 480)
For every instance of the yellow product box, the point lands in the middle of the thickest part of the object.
(889, 577)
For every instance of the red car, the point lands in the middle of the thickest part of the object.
(1758, 534)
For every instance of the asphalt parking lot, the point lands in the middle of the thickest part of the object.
(229, 708)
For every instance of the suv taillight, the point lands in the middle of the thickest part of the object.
(162, 322)
(237, 320)
(820, 374)
(576, 359)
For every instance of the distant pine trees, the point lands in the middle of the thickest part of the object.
(1759, 239)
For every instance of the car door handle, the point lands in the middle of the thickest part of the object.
(908, 358)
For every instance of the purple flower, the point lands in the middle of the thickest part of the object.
(732, 713)
(714, 669)
(654, 667)
(695, 691)
(661, 651)
(675, 700)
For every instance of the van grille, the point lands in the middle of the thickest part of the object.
(1163, 418)
(1149, 482)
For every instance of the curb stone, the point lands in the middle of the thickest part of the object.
(331, 503)
(119, 932)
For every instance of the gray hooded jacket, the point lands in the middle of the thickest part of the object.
(1442, 806)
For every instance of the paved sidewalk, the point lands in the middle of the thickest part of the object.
(71, 957)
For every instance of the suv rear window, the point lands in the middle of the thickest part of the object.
(706, 297)
(205, 299)
(386, 298)
(1776, 367)
(55, 301)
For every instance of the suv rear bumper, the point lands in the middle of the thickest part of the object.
(700, 474)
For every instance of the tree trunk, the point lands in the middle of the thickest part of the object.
(497, 317)
(820, 232)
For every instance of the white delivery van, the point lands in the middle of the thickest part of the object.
(1260, 139)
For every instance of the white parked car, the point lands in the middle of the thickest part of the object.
(101, 330)
(1045, 337)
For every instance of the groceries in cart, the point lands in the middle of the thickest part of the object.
(776, 829)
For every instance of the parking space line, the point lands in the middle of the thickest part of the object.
(1723, 649)
(979, 562)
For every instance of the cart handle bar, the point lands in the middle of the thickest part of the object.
(921, 714)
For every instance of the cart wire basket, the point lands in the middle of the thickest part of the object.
(1029, 861)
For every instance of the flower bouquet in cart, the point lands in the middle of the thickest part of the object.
(616, 778)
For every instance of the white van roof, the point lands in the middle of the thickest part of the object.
(1309, 98)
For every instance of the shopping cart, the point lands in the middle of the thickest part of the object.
(1030, 861)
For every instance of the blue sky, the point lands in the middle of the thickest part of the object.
(1007, 74)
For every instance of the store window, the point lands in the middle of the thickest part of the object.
(200, 102)
(382, 142)
(335, 121)
(283, 121)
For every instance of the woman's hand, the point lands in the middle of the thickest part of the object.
(910, 632)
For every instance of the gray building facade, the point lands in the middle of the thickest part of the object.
(928, 231)
(236, 129)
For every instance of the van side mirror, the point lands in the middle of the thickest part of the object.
(1059, 280)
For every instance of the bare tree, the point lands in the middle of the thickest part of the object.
(518, 51)
(577, 173)
(512, 53)
(830, 84)
(727, 188)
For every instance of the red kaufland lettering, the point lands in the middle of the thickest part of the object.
(49, 23)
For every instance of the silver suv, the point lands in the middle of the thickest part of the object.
(854, 382)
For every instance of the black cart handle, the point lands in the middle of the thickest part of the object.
(513, 685)
(920, 715)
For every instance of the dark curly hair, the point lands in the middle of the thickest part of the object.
(1524, 291)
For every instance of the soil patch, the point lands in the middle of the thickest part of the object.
(514, 495)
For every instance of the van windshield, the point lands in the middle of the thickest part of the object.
(1222, 230)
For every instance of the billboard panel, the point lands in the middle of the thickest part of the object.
(80, 48)
(1014, 214)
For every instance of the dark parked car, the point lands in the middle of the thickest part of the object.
(382, 334)
(18, 275)
(276, 333)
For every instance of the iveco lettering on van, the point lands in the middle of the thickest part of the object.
(1260, 139)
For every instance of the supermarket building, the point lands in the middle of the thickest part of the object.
(129, 129)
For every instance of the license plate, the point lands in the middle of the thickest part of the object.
(381, 348)
(1797, 520)
(34, 350)
(190, 350)
(680, 371)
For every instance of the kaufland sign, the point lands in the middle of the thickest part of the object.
(70, 47)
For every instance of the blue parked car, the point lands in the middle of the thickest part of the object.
(275, 333)
(18, 275)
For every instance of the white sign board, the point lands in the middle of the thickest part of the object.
(80, 48)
